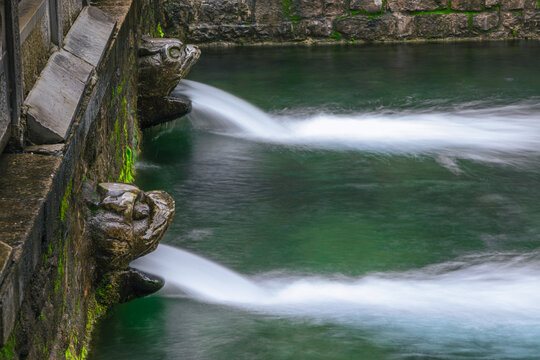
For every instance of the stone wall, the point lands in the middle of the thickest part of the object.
(4, 110)
(240, 21)
(51, 288)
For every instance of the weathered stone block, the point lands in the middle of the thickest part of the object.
(234, 33)
(25, 177)
(510, 20)
(310, 8)
(315, 28)
(130, 284)
(416, 5)
(24, 186)
(513, 4)
(53, 102)
(532, 5)
(264, 32)
(491, 3)
(486, 21)
(440, 26)
(467, 5)
(157, 110)
(531, 21)
(371, 6)
(268, 12)
(365, 28)
(404, 25)
(89, 37)
(178, 14)
(70, 11)
(272, 33)
(335, 8)
(203, 33)
(48, 149)
(223, 12)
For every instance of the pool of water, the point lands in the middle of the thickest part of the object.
(386, 208)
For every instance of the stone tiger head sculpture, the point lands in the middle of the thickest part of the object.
(127, 223)
(162, 64)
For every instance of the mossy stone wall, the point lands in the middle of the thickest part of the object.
(49, 284)
(248, 21)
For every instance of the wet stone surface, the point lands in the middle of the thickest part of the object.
(355, 20)
(162, 63)
(25, 182)
(127, 223)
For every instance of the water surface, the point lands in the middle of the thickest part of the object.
(381, 204)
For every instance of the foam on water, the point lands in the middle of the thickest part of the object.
(490, 298)
(475, 132)
(482, 306)
(213, 108)
(496, 283)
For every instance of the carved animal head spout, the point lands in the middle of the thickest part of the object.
(162, 63)
(128, 223)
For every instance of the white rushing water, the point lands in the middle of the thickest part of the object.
(502, 284)
(475, 133)
(486, 301)
(483, 298)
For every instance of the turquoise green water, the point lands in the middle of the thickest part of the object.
(380, 221)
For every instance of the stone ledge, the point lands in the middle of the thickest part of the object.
(52, 104)
(25, 177)
(55, 100)
(26, 185)
(90, 36)
(52, 149)
(17, 220)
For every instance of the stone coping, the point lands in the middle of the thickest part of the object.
(51, 106)
(26, 185)
(89, 37)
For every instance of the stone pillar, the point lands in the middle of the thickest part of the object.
(5, 116)
(55, 17)
(14, 68)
